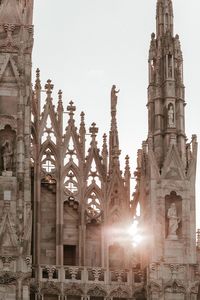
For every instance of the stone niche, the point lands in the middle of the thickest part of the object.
(173, 216)
(7, 151)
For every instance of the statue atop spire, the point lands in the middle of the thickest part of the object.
(114, 93)
(114, 139)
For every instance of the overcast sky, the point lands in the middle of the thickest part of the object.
(86, 46)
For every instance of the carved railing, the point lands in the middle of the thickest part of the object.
(83, 274)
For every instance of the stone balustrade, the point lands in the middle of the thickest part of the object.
(78, 274)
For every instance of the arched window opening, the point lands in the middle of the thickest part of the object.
(49, 133)
(94, 212)
(48, 162)
(71, 184)
(93, 176)
(71, 154)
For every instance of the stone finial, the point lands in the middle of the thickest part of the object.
(82, 118)
(49, 87)
(105, 140)
(37, 81)
(82, 126)
(127, 166)
(93, 130)
(60, 103)
(105, 149)
(127, 173)
(71, 108)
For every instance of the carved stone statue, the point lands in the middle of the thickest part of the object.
(173, 222)
(171, 116)
(114, 93)
(7, 155)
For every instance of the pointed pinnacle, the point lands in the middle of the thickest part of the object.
(127, 160)
(71, 108)
(82, 118)
(93, 130)
(37, 81)
(104, 139)
(60, 104)
(49, 87)
(60, 96)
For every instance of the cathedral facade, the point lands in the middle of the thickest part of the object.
(66, 205)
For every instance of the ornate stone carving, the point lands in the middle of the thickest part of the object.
(50, 288)
(97, 291)
(73, 289)
(50, 270)
(7, 278)
(175, 269)
(120, 275)
(154, 287)
(8, 121)
(6, 262)
(97, 272)
(120, 293)
(175, 287)
(28, 260)
(73, 271)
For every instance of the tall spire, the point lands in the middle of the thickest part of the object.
(164, 17)
(166, 102)
(16, 12)
(10, 12)
(114, 139)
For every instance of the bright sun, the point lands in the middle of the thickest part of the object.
(134, 234)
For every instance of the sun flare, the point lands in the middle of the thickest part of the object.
(135, 234)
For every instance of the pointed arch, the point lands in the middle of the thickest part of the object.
(96, 158)
(51, 146)
(71, 166)
(94, 188)
(10, 61)
(48, 123)
(71, 183)
(71, 134)
(48, 158)
(71, 149)
(94, 207)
